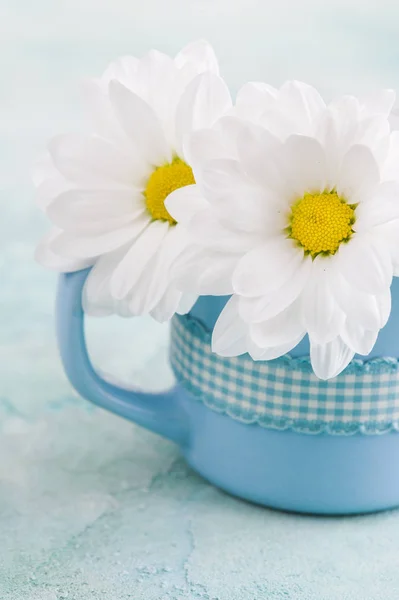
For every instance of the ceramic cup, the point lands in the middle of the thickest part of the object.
(266, 431)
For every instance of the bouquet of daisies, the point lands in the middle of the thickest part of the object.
(286, 203)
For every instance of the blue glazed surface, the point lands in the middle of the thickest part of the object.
(158, 412)
(316, 474)
(319, 474)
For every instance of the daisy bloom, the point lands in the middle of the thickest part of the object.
(105, 192)
(296, 215)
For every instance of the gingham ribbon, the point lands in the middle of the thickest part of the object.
(285, 393)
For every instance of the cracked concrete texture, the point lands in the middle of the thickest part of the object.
(93, 507)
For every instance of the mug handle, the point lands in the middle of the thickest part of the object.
(161, 413)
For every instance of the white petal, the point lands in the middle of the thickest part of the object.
(220, 177)
(89, 160)
(92, 161)
(152, 78)
(42, 169)
(122, 309)
(230, 129)
(280, 330)
(205, 145)
(328, 360)
(136, 259)
(358, 306)
(266, 268)
(328, 134)
(220, 142)
(204, 101)
(359, 173)
(167, 306)
(390, 169)
(50, 189)
(382, 208)
(260, 154)
(384, 302)
(207, 229)
(186, 303)
(154, 281)
(99, 111)
(225, 185)
(322, 316)
(157, 74)
(366, 263)
(124, 69)
(205, 272)
(48, 181)
(342, 117)
(346, 123)
(76, 245)
(228, 338)
(200, 54)
(339, 129)
(253, 99)
(304, 102)
(389, 232)
(99, 310)
(96, 297)
(358, 339)
(184, 203)
(235, 347)
(141, 124)
(257, 309)
(306, 164)
(152, 291)
(394, 119)
(297, 111)
(374, 132)
(380, 102)
(84, 210)
(258, 353)
(139, 301)
(46, 256)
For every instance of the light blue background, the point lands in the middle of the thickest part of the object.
(94, 507)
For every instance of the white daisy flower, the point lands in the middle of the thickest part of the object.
(105, 192)
(300, 224)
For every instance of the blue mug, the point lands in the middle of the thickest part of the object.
(269, 432)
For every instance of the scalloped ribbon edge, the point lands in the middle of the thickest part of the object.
(384, 364)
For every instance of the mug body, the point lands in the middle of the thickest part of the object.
(272, 433)
(284, 469)
(267, 431)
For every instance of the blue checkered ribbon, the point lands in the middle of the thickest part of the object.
(284, 393)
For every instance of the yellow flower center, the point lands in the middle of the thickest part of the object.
(321, 222)
(163, 181)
